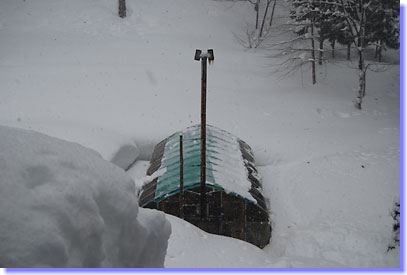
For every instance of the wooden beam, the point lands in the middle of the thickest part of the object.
(181, 177)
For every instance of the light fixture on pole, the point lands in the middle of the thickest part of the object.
(204, 57)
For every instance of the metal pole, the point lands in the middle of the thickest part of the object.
(204, 57)
(181, 177)
(203, 138)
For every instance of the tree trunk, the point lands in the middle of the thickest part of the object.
(257, 9)
(264, 17)
(313, 54)
(272, 13)
(376, 54)
(362, 81)
(122, 8)
(362, 69)
(348, 53)
(380, 50)
(321, 51)
(333, 48)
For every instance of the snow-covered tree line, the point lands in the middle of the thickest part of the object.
(357, 23)
(348, 22)
(354, 25)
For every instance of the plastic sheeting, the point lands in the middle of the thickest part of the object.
(225, 169)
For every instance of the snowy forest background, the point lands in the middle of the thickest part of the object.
(89, 87)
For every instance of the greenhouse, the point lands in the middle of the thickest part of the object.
(234, 202)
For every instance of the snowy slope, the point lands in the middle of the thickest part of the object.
(74, 70)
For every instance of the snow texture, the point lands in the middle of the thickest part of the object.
(229, 169)
(62, 205)
(73, 69)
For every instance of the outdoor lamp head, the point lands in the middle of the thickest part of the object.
(198, 55)
(209, 55)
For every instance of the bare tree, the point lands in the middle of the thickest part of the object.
(253, 38)
(355, 17)
(314, 80)
(272, 13)
(257, 9)
(264, 17)
(295, 53)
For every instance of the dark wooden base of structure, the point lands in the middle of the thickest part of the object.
(227, 215)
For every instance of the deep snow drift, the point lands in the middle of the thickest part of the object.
(74, 70)
(62, 205)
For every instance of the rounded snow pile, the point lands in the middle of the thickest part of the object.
(62, 205)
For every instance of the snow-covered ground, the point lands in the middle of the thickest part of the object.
(76, 71)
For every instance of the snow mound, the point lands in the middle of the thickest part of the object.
(191, 247)
(62, 205)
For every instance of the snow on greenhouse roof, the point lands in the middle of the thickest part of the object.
(225, 167)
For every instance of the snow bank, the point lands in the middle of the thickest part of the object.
(192, 247)
(62, 205)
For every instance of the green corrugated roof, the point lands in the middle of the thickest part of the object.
(225, 169)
